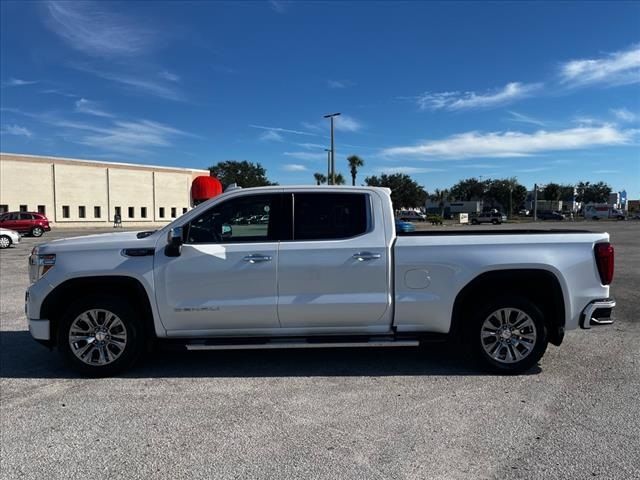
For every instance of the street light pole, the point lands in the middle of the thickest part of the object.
(328, 150)
(535, 202)
(333, 150)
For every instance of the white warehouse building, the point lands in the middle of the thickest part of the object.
(74, 192)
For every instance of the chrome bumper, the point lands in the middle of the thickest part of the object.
(597, 313)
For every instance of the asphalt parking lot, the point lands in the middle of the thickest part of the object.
(361, 413)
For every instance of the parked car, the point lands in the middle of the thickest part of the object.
(524, 212)
(412, 215)
(549, 215)
(488, 217)
(404, 227)
(328, 270)
(31, 223)
(8, 238)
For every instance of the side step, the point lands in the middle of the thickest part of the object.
(275, 344)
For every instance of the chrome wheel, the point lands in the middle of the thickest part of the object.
(37, 232)
(97, 337)
(5, 242)
(508, 335)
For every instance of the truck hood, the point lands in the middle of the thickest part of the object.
(102, 241)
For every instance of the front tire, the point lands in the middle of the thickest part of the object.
(37, 231)
(100, 336)
(510, 335)
(5, 241)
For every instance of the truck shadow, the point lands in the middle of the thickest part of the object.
(21, 357)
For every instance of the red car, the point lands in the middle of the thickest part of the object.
(25, 222)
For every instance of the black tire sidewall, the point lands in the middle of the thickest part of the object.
(129, 318)
(521, 303)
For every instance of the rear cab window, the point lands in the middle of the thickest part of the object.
(330, 216)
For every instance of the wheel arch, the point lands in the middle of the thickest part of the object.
(123, 286)
(540, 286)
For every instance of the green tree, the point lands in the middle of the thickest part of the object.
(507, 193)
(339, 179)
(552, 191)
(320, 178)
(245, 174)
(355, 162)
(441, 196)
(593, 192)
(469, 189)
(405, 192)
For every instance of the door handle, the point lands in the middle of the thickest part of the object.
(253, 258)
(364, 256)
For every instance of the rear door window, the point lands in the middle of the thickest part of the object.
(330, 216)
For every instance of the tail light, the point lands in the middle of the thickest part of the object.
(605, 261)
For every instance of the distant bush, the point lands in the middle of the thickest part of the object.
(434, 219)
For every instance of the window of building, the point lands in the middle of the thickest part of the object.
(42, 209)
(4, 208)
(82, 211)
(243, 219)
(326, 216)
(96, 212)
(143, 212)
(65, 211)
(184, 210)
(173, 212)
(131, 212)
(118, 211)
(23, 208)
(161, 212)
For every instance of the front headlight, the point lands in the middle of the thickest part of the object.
(39, 264)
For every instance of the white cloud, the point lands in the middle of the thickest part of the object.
(282, 130)
(271, 136)
(624, 115)
(409, 170)
(472, 100)
(478, 165)
(87, 27)
(606, 171)
(340, 83)
(345, 123)
(311, 146)
(618, 68)
(138, 83)
(514, 144)
(132, 137)
(519, 117)
(294, 167)
(279, 6)
(91, 108)
(16, 130)
(533, 169)
(17, 82)
(172, 77)
(309, 156)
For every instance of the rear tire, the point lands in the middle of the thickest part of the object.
(37, 231)
(100, 336)
(474, 222)
(5, 241)
(509, 335)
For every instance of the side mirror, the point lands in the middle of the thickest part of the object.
(174, 242)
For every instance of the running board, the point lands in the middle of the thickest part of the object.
(302, 344)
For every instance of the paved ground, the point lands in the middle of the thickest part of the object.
(327, 414)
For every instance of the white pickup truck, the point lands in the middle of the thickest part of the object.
(324, 267)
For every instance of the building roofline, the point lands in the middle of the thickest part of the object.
(106, 163)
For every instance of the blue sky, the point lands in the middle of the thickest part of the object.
(442, 91)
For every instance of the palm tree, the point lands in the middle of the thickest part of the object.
(339, 179)
(320, 178)
(354, 163)
(441, 196)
